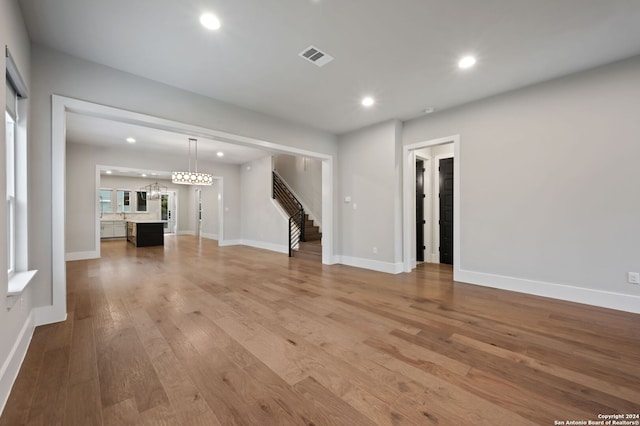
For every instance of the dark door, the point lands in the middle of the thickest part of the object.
(446, 210)
(420, 210)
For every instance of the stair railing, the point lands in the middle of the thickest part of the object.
(294, 209)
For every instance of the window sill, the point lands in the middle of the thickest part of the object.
(19, 281)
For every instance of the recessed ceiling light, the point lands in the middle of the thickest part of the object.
(429, 110)
(220, 154)
(210, 21)
(467, 62)
(143, 175)
(368, 101)
(108, 172)
(131, 140)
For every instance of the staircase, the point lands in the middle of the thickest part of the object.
(311, 246)
(305, 238)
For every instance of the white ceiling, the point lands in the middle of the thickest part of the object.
(402, 52)
(96, 131)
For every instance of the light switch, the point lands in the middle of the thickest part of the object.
(347, 199)
(355, 206)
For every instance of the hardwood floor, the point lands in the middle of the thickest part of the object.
(200, 335)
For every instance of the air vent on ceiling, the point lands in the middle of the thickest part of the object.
(314, 55)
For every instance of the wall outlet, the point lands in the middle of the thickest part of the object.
(633, 278)
(375, 250)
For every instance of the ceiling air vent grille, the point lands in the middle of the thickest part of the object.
(315, 56)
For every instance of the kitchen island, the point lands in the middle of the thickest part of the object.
(145, 233)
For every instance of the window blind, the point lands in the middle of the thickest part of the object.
(11, 102)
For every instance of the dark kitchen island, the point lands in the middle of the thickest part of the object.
(145, 233)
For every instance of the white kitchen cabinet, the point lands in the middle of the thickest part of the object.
(113, 229)
(119, 229)
(106, 229)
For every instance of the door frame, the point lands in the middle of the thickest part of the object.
(197, 196)
(408, 192)
(428, 214)
(436, 209)
(60, 105)
(172, 196)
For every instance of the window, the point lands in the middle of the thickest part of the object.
(15, 169)
(141, 201)
(10, 149)
(123, 198)
(105, 201)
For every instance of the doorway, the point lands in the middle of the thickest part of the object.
(168, 211)
(61, 106)
(445, 169)
(420, 216)
(434, 151)
(198, 209)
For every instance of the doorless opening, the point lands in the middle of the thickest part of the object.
(410, 219)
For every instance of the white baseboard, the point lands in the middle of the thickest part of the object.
(81, 255)
(225, 243)
(209, 236)
(280, 248)
(604, 299)
(257, 244)
(374, 265)
(332, 260)
(47, 315)
(11, 366)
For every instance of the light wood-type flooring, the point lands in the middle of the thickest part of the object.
(194, 334)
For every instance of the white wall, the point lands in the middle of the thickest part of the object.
(16, 324)
(549, 184)
(81, 183)
(65, 75)
(264, 224)
(209, 225)
(368, 167)
(304, 177)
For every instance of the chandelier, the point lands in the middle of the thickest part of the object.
(192, 177)
(154, 190)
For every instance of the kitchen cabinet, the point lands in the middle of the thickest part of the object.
(113, 229)
(119, 229)
(145, 233)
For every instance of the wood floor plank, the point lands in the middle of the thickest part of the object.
(20, 400)
(83, 406)
(83, 365)
(122, 413)
(196, 334)
(521, 374)
(49, 400)
(206, 373)
(337, 410)
(126, 372)
(189, 407)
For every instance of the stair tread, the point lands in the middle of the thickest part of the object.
(309, 255)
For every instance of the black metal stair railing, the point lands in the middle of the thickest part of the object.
(294, 209)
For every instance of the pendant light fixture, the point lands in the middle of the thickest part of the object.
(192, 177)
(154, 190)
